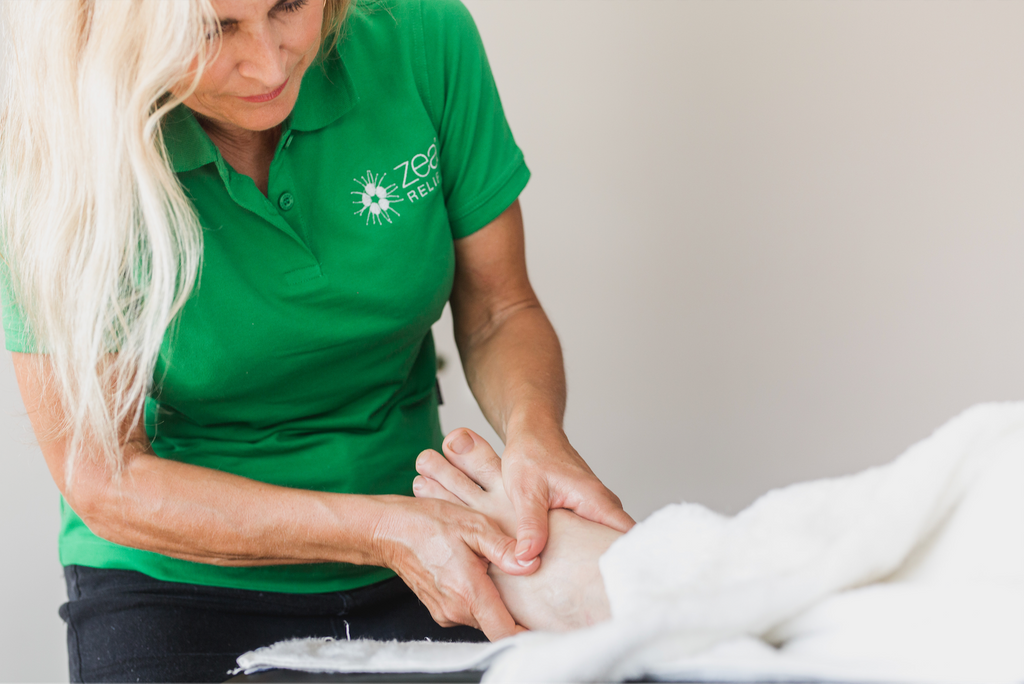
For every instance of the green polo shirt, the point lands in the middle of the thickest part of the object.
(304, 357)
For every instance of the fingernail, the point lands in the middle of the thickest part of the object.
(461, 443)
(526, 564)
(522, 548)
(417, 484)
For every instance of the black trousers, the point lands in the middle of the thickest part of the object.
(124, 626)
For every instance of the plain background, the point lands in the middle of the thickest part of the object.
(779, 240)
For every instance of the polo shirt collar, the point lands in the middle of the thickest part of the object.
(327, 93)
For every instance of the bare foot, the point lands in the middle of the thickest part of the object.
(567, 592)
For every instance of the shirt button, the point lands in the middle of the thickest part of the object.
(286, 201)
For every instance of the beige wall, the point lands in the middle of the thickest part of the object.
(779, 240)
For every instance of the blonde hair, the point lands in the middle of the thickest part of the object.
(102, 245)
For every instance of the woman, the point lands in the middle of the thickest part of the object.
(235, 450)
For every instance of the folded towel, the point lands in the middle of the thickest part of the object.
(366, 655)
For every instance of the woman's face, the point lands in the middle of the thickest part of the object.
(265, 49)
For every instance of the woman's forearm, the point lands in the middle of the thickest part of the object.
(514, 368)
(209, 516)
(509, 350)
(195, 513)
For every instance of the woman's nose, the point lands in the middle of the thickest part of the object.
(263, 59)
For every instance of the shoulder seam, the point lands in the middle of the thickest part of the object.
(422, 69)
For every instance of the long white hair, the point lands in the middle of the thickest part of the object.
(102, 245)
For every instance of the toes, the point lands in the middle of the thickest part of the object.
(426, 488)
(433, 465)
(471, 454)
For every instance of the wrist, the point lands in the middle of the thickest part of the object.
(541, 427)
(371, 522)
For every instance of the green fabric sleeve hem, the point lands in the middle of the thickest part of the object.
(19, 341)
(483, 212)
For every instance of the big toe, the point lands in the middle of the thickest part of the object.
(470, 453)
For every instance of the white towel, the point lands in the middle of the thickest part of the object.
(909, 572)
(366, 655)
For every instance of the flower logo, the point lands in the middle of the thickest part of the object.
(375, 199)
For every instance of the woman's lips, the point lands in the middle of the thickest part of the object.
(269, 96)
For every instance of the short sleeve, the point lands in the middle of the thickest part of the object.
(16, 335)
(482, 168)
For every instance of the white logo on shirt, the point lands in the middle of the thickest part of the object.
(424, 177)
(375, 198)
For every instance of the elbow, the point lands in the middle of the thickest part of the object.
(92, 507)
(95, 500)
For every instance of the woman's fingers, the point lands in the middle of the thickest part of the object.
(585, 496)
(605, 508)
(531, 501)
(470, 599)
(490, 612)
(543, 474)
(492, 545)
(442, 551)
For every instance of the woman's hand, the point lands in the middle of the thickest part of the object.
(442, 551)
(542, 474)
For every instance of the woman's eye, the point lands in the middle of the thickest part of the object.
(293, 6)
(224, 29)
